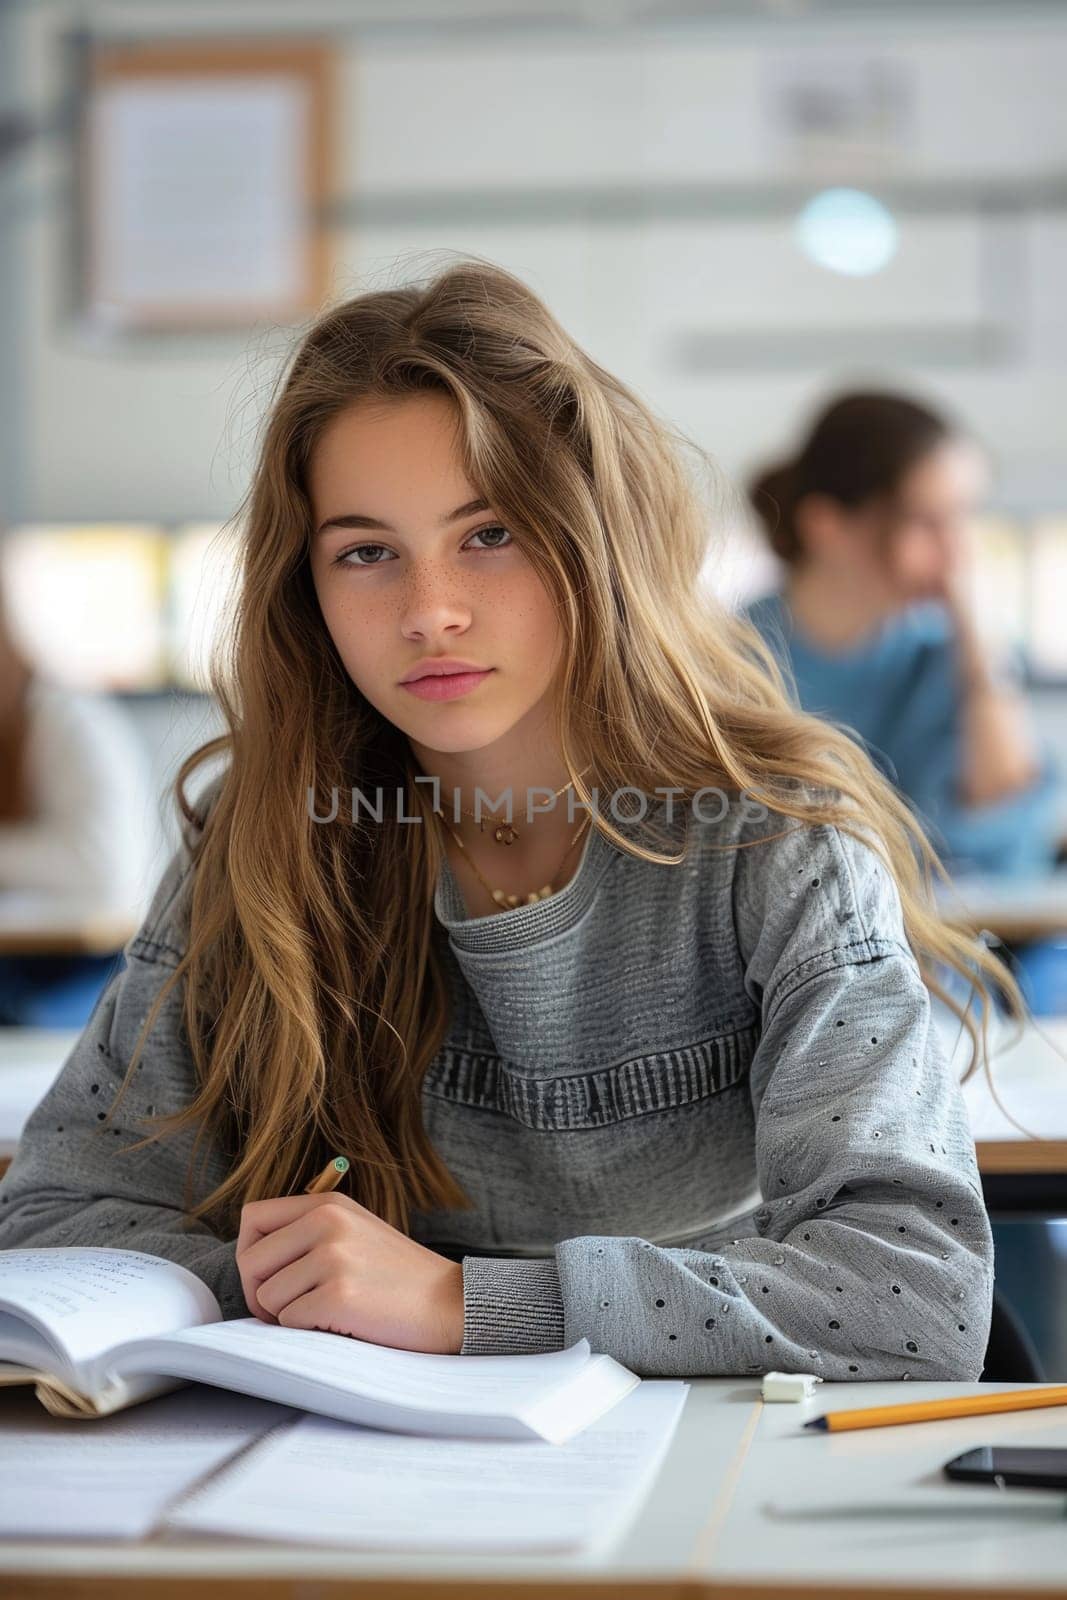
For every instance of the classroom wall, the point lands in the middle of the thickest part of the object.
(10, 405)
(638, 178)
(161, 426)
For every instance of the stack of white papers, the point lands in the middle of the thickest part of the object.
(320, 1481)
(115, 1478)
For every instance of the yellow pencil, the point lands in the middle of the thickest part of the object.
(329, 1177)
(972, 1405)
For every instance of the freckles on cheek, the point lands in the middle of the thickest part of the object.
(520, 598)
(358, 630)
(352, 614)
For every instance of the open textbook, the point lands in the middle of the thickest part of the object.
(98, 1330)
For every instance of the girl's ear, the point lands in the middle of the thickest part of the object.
(824, 527)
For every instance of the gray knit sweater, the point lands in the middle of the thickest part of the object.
(701, 1110)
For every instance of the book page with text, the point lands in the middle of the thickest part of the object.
(84, 1300)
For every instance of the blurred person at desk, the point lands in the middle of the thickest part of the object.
(75, 842)
(875, 624)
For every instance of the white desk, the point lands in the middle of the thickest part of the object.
(746, 1504)
(60, 924)
(30, 1059)
(1031, 907)
(1028, 1066)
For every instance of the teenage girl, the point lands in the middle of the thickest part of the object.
(528, 889)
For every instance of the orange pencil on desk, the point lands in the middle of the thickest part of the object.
(971, 1405)
(329, 1177)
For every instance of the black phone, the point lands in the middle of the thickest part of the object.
(1010, 1465)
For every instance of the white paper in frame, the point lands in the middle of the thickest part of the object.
(204, 183)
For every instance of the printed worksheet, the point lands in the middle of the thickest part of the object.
(325, 1482)
(113, 1477)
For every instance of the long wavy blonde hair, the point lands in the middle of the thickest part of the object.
(315, 995)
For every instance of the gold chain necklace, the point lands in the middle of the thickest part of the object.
(505, 832)
(510, 901)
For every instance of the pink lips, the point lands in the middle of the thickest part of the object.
(447, 686)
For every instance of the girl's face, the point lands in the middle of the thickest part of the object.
(408, 563)
(931, 523)
(914, 545)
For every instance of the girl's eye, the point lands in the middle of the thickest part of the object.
(495, 529)
(362, 549)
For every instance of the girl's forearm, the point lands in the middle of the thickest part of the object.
(998, 754)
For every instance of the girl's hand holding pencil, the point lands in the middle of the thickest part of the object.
(321, 1260)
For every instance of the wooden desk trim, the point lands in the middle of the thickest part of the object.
(1012, 926)
(103, 937)
(314, 1586)
(1021, 1155)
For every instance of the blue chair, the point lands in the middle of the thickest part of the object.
(1041, 968)
(53, 991)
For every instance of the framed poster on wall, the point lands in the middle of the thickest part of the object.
(205, 174)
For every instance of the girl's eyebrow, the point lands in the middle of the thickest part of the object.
(352, 519)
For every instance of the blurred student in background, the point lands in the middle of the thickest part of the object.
(76, 815)
(875, 623)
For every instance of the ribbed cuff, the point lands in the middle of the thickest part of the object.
(511, 1307)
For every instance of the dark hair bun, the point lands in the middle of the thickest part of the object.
(858, 447)
(773, 493)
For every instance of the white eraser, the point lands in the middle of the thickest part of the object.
(789, 1385)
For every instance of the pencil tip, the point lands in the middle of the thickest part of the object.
(816, 1422)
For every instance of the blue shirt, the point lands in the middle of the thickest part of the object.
(896, 692)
